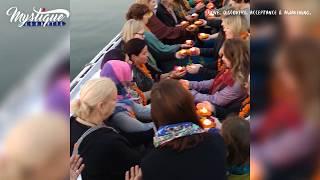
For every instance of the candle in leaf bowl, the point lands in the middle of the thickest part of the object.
(204, 112)
(203, 36)
(207, 123)
(210, 5)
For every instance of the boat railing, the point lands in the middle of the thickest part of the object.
(92, 67)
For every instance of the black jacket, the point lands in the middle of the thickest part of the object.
(204, 162)
(106, 154)
(166, 17)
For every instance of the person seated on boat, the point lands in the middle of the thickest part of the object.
(33, 146)
(184, 11)
(106, 153)
(236, 134)
(180, 141)
(166, 14)
(166, 34)
(233, 5)
(233, 27)
(131, 109)
(134, 29)
(160, 56)
(113, 54)
(228, 87)
(152, 4)
(137, 51)
(222, 112)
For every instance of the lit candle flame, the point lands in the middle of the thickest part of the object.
(203, 110)
(207, 122)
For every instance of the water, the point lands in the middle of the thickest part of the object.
(23, 48)
(93, 24)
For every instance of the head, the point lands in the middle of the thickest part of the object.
(234, 26)
(118, 71)
(171, 104)
(137, 51)
(97, 100)
(236, 134)
(113, 54)
(132, 29)
(167, 2)
(237, 58)
(297, 69)
(152, 4)
(236, 3)
(140, 12)
(34, 146)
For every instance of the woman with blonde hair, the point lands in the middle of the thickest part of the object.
(234, 27)
(105, 152)
(136, 29)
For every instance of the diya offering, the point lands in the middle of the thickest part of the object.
(207, 123)
(204, 112)
(210, 5)
(189, 42)
(184, 52)
(184, 23)
(198, 22)
(203, 36)
(192, 27)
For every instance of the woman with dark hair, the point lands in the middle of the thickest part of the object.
(183, 149)
(168, 35)
(113, 54)
(236, 134)
(143, 74)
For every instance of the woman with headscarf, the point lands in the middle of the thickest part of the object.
(130, 100)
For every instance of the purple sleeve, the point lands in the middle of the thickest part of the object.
(201, 86)
(221, 98)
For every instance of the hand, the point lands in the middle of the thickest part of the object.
(180, 56)
(178, 74)
(186, 46)
(185, 83)
(193, 68)
(207, 105)
(195, 51)
(135, 173)
(189, 18)
(76, 165)
(199, 6)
